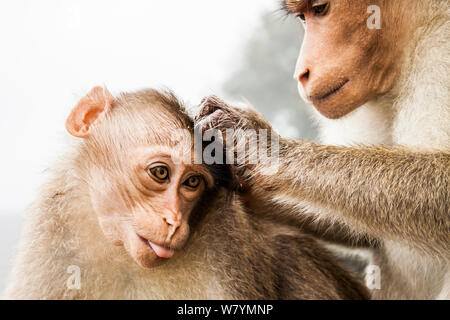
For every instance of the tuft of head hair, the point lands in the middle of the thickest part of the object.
(291, 6)
(143, 117)
(148, 99)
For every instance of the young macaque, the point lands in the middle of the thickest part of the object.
(123, 218)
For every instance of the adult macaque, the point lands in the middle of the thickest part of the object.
(138, 223)
(381, 97)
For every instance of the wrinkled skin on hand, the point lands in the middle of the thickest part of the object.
(214, 113)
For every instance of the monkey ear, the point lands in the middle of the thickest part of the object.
(88, 110)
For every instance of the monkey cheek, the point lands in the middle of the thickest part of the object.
(113, 236)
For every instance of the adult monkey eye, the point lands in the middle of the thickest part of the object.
(321, 9)
(193, 182)
(301, 16)
(160, 172)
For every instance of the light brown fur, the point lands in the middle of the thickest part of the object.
(231, 253)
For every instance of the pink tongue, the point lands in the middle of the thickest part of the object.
(161, 251)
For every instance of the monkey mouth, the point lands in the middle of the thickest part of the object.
(161, 251)
(319, 98)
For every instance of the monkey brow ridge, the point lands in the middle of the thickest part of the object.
(295, 5)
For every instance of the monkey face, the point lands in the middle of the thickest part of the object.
(141, 184)
(149, 211)
(344, 61)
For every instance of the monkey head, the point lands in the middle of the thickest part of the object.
(343, 62)
(142, 192)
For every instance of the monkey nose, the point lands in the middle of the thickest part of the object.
(174, 222)
(303, 77)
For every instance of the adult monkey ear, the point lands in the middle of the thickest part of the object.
(88, 110)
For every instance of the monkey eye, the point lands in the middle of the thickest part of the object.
(301, 16)
(193, 182)
(321, 9)
(160, 172)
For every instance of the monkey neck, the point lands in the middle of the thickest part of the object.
(415, 111)
(420, 100)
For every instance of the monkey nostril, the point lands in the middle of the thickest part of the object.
(303, 77)
(173, 226)
(172, 222)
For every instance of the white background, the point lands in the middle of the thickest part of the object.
(53, 52)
